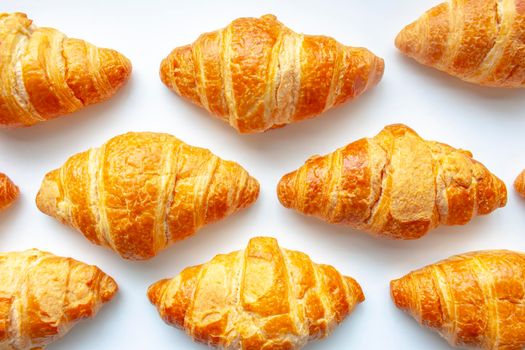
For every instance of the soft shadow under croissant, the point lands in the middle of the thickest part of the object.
(261, 298)
(42, 296)
(394, 185)
(44, 74)
(257, 74)
(140, 192)
(479, 41)
(473, 300)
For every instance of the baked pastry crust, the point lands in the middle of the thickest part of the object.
(9, 192)
(394, 185)
(257, 74)
(473, 300)
(264, 297)
(42, 296)
(140, 192)
(478, 41)
(44, 74)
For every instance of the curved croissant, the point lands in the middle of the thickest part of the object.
(479, 41)
(42, 296)
(262, 298)
(140, 192)
(257, 74)
(44, 74)
(473, 300)
(395, 184)
(8, 192)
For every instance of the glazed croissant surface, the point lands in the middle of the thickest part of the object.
(257, 74)
(42, 296)
(264, 297)
(140, 192)
(479, 41)
(395, 185)
(8, 192)
(44, 74)
(473, 300)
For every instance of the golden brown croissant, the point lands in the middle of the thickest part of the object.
(519, 184)
(257, 74)
(479, 41)
(42, 296)
(473, 300)
(262, 298)
(395, 184)
(44, 74)
(140, 192)
(8, 192)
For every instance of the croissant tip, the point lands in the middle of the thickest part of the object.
(155, 291)
(284, 190)
(357, 289)
(47, 196)
(11, 192)
(399, 293)
(108, 288)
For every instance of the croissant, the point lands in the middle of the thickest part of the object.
(140, 192)
(264, 297)
(479, 41)
(519, 184)
(8, 192)
(395, 185)
(42, 296)
(472, 300)
(257, 74)
(44, 74)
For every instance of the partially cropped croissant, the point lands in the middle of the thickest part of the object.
(8, 192)
(479, 41)
(262, 298)
(395, 184)
(42, 296)
(140, 192)
(257, 74)
(473, 300)
(44, 74)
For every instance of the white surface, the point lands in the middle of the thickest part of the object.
(489, 122)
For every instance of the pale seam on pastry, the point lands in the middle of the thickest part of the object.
(171, 188)
(441, 197)
(20, 308)
(336, 168)
(287, 90)
(202, 186)
(235, 311)
(455, 34)
(65, 206)
(273, 76)
(96, 168)
(486, 283)
(189, 322)
(160, 239)
(225, 55)
(371, 222)
(506, 10)
(323, 296)
(56, 71)
(20, 92)
(102, 84)
(445, 301)
(336, 77)
(300, 177)
(292, 301)
(200, 75)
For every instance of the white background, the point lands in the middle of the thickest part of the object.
(489, 122)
